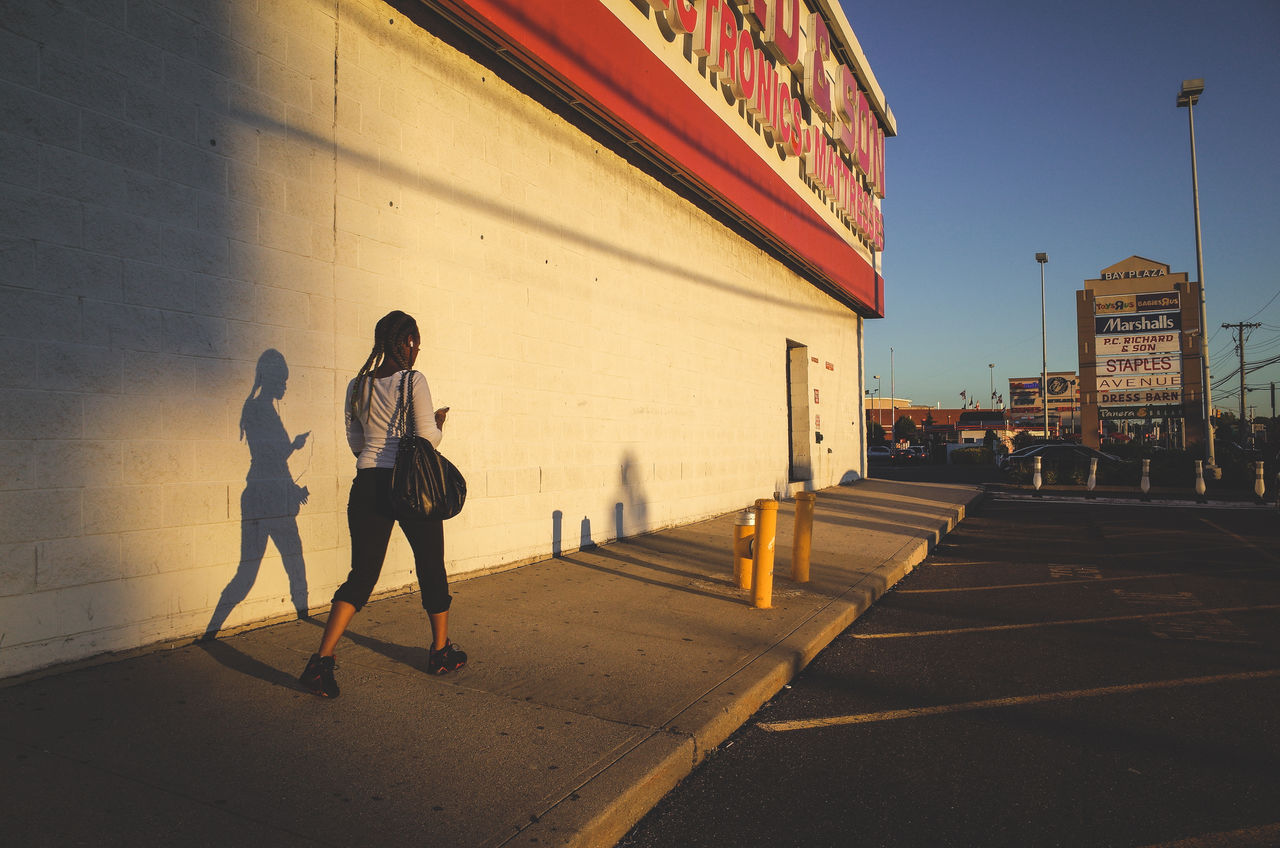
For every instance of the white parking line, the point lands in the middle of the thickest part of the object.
(1035, 585)
(1157, 503)
(995, 703)
(1071, 582)
(1242, 540)
(1060, 623)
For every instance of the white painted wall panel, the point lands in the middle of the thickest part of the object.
(239, 178)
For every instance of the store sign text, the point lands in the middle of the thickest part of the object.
(1118, 384)
(1129, 275)
(842, 151)
(1140, 412)
(1150, 343)
(1140, 364)
(1143, 396)
(1130, 303)
(1141, 324)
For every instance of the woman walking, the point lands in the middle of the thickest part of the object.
(372, 400)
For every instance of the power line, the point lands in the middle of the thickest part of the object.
(1268, 303)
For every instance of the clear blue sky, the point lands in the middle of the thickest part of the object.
(1027, 127)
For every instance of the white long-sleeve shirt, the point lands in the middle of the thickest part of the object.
(372, 434)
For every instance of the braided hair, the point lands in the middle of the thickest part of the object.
(389, 337)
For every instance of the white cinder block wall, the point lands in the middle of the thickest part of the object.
(196, 195)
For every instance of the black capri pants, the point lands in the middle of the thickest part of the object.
(370, 519)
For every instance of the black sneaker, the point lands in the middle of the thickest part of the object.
(317, 677)
(445, 660)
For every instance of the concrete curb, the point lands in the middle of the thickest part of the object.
(603, 679)
(605, 808)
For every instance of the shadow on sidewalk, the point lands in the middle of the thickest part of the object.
(238, 661)
(611, 554)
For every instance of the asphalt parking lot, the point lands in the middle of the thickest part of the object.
(1053, 674)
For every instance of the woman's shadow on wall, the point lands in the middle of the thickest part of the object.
(271, 499)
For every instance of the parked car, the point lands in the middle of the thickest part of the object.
(1056, 453)
(903, 456)
(921, 452)
(1003, 458)
(878, 453)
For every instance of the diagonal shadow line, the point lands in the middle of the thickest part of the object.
(413, 656)
(654, 582)
(535, 67)
(611, 552)
(238, 661)
(506, 214)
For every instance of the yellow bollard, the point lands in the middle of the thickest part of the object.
(802, 542)
(743, 533)
(762, 561)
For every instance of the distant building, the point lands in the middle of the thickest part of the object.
(1026, 403)
(951, 425)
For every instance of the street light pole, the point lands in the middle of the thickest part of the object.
(992, 372)
(879, 417)
(1044, 349)
(893, 406)
(1188, 96)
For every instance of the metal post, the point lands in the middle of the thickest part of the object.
(1188, 96)
(762, 559)
(802, 540)
(879, 417)
(744, 531)
(1044, 349)
(893, 422)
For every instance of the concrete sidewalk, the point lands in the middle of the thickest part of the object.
(597, 681)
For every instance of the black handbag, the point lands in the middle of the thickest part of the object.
(423, 483)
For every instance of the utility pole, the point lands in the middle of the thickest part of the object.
(1240, 327)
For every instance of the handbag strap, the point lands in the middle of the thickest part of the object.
(405, 407)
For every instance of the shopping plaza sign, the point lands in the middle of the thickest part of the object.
(766, 107)
(1138, 339)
